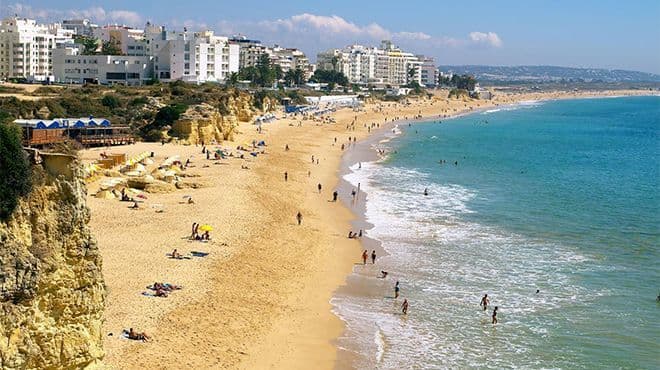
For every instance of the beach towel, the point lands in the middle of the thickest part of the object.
(150, 294)
(199, 254)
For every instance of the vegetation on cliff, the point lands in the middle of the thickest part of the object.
(15, 180)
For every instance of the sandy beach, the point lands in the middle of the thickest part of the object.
(261, 298)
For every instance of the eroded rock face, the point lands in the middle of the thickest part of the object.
(52, 292)
(205, 123)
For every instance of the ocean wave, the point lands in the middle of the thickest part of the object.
(446, 262)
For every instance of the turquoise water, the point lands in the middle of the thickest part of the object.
(560, 196)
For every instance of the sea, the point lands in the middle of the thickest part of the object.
(556, 196)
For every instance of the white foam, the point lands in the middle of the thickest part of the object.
(445, 263)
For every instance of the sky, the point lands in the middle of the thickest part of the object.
(579, 33)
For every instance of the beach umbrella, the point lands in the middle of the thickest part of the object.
(206, 228)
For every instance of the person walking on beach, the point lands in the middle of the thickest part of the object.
(396, 290)
(299, 217)
(373, 257)
(334, 196)
(495, 315)
(404, 307)
(484, 302)
(364, 257)
(286, 176)
(319, 187)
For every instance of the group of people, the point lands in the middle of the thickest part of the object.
(352, 235)
(485, 301)
(195, 235)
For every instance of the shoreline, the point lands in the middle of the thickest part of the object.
(266, 290)
(367, 154)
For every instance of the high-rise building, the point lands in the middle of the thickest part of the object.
(26, 48)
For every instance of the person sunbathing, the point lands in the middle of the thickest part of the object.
(138, 336)
(176, 254)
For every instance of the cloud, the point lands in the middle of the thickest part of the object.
(313, 33)
(96, 14)
(489, 38)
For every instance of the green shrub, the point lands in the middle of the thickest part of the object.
(15, 169)
(110, 101)
(142, 100)
(169, 114)
(153, 136)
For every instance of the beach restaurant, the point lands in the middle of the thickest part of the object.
(87, 131)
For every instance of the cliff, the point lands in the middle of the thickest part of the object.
(205, 123)
(52, 292)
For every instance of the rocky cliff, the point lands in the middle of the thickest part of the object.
(52, 292)
(205, 123)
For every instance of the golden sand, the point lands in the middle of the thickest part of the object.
(260, 299)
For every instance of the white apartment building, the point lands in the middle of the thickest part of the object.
(26, 48)
(387, 65)
(70, 66)
(193, 57)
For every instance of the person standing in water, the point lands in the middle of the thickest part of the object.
(396, 290)
(495, 315)
(364, 257)
(373, 257)
(426, 191)
(299, 217)
(404, 307)
(484, 302)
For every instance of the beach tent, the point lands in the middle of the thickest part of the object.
(105, 194)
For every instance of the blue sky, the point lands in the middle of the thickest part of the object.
(582, 33)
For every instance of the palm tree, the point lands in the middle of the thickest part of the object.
(232, 79)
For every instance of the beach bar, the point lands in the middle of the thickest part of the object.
(87, 131)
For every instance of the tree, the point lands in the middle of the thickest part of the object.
(294, 77)
(90, 44)
(168, 114)
(111, 48)
(334, 77)
(232, 79)
(15, 168)
(411, 74)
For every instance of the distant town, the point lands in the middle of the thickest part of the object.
(78, 51)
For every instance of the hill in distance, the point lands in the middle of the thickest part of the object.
(541, 74)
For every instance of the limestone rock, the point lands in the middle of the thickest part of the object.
(52, 292)
(188, 185)
(159, 187)
(139, 182)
